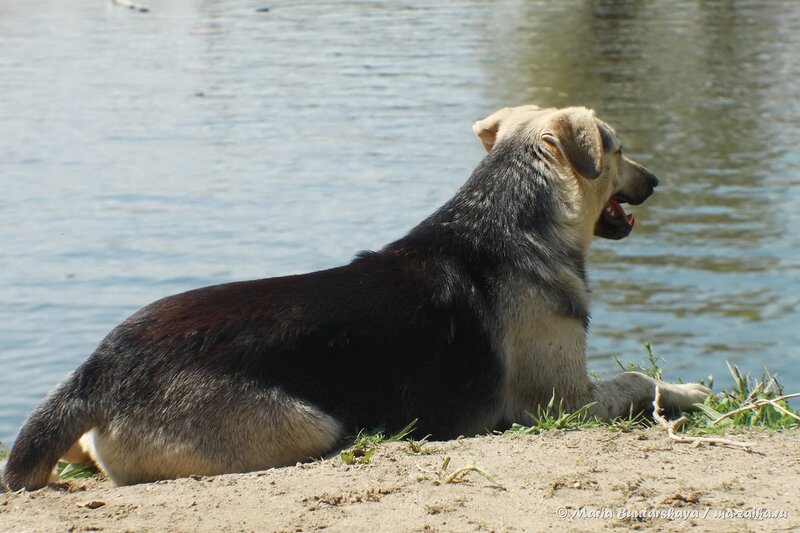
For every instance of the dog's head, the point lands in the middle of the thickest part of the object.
(586, 151)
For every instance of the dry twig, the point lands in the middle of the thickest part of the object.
(761, 403)
(440, 476)
(694, 441)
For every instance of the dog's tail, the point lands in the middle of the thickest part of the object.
(48, 433)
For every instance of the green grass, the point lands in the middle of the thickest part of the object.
(751, 403)
(67, 470)
(366, 442)
(550, 417)
(3, 451)
(420, 446)
(649, 367)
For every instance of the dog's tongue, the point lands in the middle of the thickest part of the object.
(617, 211)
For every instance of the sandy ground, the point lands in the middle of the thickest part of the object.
(565, 481)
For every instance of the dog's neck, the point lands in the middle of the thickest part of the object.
(580, 214)
(511, 214)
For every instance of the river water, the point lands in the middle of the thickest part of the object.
(144, 154)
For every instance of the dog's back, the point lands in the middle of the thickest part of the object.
(252, 375)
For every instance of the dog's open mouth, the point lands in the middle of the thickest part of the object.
(614, 222)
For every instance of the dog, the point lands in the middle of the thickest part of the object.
(469, 323)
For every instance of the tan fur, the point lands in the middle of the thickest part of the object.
(80, 452)
(544, 350)
(577, 137)
(544, 354)
(261, 431)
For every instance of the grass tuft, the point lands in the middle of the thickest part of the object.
(67, 470)
(750, 404)
(649, 367)
(550, 417)
(366, 443)
(420, 447)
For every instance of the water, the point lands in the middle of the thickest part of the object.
(203, 142)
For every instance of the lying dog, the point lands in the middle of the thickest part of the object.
(466, 324)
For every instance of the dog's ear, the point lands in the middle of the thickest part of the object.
(487, 129)
(576, 135)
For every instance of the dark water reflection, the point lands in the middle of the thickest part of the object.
(141, 155)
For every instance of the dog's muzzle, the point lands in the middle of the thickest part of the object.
(614, 222)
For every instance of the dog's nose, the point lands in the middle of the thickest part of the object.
(653, 179)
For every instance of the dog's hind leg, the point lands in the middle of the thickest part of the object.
(634, 392)
(222, 426)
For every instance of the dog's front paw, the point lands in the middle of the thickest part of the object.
(682, 396)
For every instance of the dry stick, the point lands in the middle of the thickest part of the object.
(461, 472)
(440, 478)
(783, 409)
(694, 441)
(760, 403)
(130, 5)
